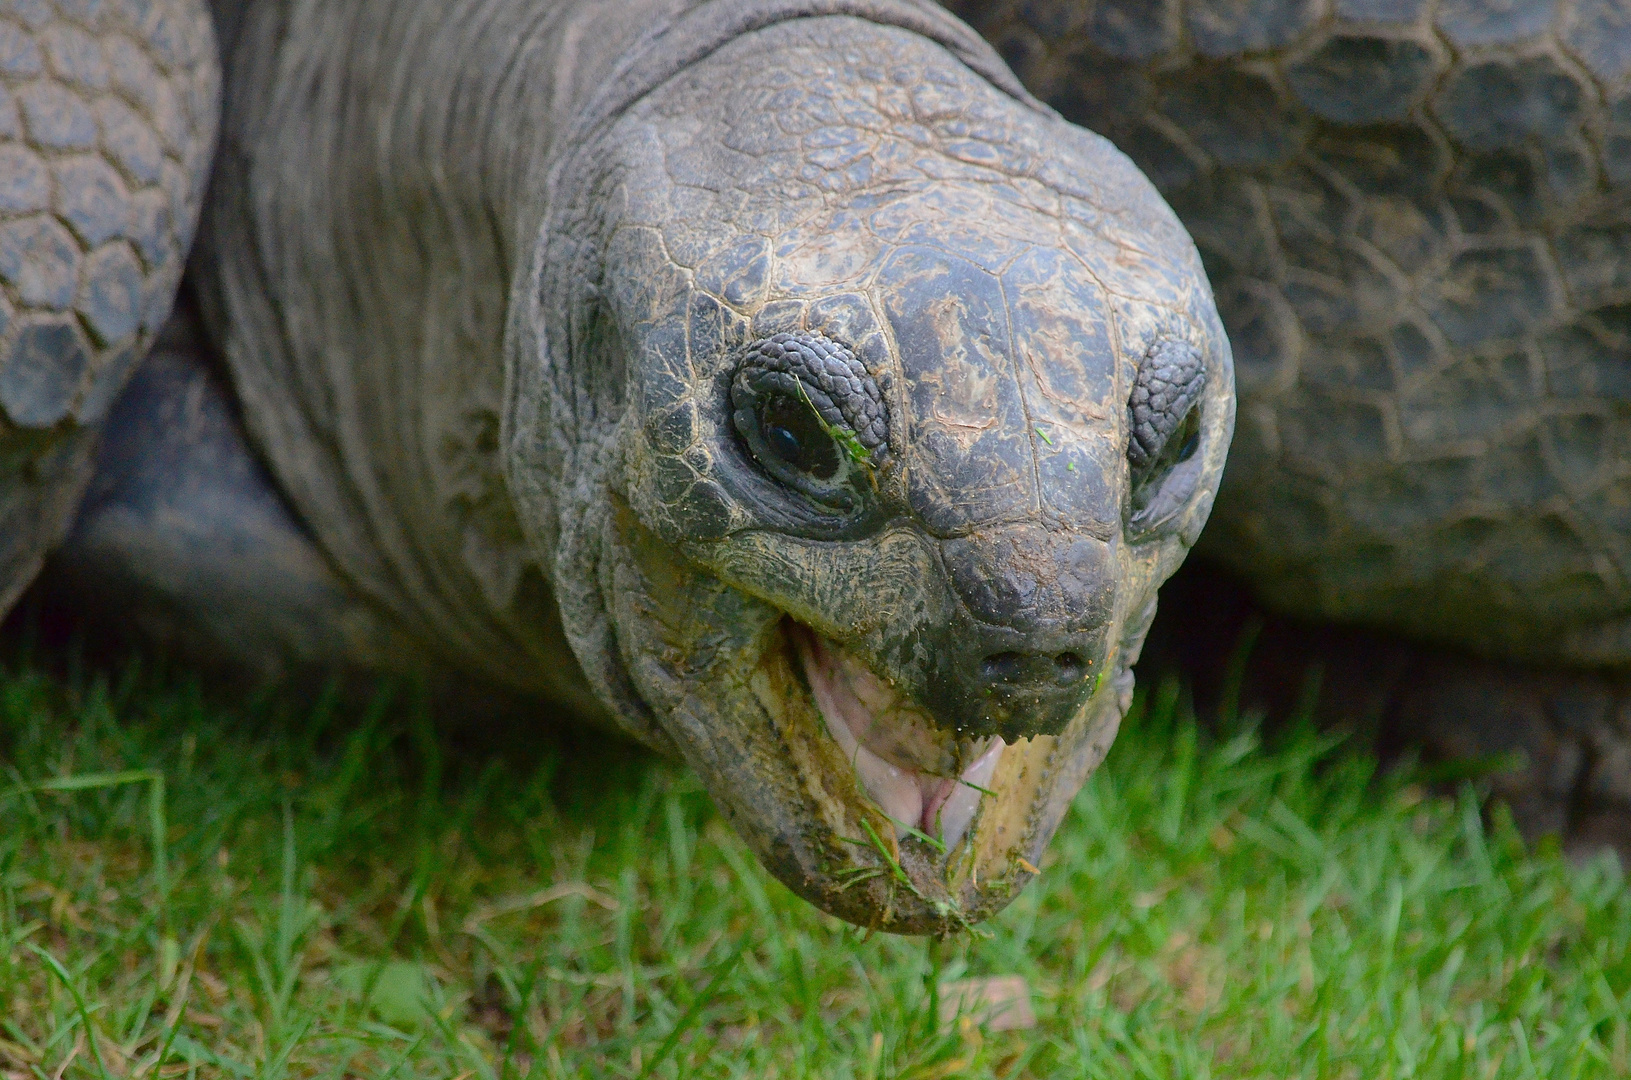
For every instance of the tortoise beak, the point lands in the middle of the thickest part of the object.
(1029, 644)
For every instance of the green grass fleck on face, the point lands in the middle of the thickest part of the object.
(384, 896)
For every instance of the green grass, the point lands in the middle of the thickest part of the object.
(339, 892)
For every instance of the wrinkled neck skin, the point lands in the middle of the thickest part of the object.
(1000, 276)
(383, 169)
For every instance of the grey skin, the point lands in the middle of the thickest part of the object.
(517, 303)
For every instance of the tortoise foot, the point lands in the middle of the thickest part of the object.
(184, 542)
(1555, 745)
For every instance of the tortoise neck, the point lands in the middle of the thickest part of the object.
(382, 170)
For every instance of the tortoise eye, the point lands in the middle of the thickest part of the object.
(793, 433)
(1164, 431)
(811, 417)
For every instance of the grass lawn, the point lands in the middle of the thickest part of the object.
(338, 892)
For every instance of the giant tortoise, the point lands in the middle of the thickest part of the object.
(783, 384)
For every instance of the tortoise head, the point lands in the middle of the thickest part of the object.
(891, 406)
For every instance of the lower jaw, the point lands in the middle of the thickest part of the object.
(786, 785)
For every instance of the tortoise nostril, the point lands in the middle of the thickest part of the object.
(1070, 667)
(1002, 667)
(1033, 669)
(1015, 686)
(1014, 667)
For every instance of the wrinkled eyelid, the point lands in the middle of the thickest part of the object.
(1168, 388)
(839, 385)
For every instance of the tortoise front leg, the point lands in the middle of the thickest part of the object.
(107, 125)
(1556, 742)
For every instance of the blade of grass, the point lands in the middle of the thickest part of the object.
(79, 1004)
(182, 990)
(694, 1010)
(1234, 676)
(920, 834)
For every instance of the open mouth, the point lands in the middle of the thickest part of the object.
(925, 779)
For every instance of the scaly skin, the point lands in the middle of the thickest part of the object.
(1417, 218)
(485, 275)
(474, 467)
(107, 126)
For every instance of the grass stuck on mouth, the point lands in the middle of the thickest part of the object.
(278, 890)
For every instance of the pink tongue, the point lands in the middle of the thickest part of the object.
(880, 719)
(908, 766)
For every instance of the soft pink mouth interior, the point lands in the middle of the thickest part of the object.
(920, 776)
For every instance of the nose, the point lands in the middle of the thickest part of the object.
(1013, 668)
(991, 680)
(1031, 640)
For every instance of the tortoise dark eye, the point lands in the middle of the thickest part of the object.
(811, 417)
(1193, 442)
(792, 432)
